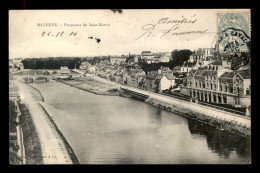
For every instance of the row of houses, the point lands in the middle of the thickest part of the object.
(147, 56)
(205, 76)
(134, 76)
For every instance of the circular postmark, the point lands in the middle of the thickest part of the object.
(237, 44)
(233, 38)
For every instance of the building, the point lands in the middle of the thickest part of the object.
(158, 57)
(187, 67)
(64, 73)
(166, 81)
(91, 69)
(216, 84)
(83, 65)
(119, 76)
(165, 58)
(177, 69)
(164, 70)
(242, 87)
(116, 60)
(149, 82)
(202, 54)
(135, 59)
(147, 55)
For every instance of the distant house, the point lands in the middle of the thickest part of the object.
(165, 58)
(91, 69)
(116, 60)
(187, 67)
(83, 65)
(141, 83)
(177, 69)
(164, 70)
(201, 54)
(149, 82)
(64, 73)
(242, 87)
(119, 77)
(64, 68)
(135, 58)
(165, 82)
(147, 55)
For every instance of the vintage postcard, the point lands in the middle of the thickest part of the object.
(130, 86)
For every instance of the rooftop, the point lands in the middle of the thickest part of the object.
(245, 74)
(217, 62)
(229, 75)
(169, 76)
(147, 53)
(177, 68)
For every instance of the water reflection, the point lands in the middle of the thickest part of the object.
(116, 130)
(222, 142)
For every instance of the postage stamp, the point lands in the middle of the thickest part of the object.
(233, 32)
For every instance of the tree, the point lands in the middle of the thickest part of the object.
(179, 57)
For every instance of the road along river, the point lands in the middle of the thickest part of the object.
(117, 130)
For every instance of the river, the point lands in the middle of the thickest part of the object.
(117, 130)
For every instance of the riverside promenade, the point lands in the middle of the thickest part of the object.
(211, 112)
(53, 148)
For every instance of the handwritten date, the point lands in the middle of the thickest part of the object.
(58, 34)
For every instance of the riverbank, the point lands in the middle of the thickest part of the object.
(54, 147)
(218, 123)
(72, 155)
(92, 86)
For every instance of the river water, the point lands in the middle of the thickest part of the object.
(117, 130)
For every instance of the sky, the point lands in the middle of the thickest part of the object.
(121, 35)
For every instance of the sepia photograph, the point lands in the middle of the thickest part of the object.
(129, 86)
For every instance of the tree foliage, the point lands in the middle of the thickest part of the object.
(12, 115)
(152, 67)
(179, 57)
(95, 60)
(51, 63)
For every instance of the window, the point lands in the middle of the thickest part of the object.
(211, 86)
(247, 91)
(215, 86)
(220, 87)
(231, 89)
